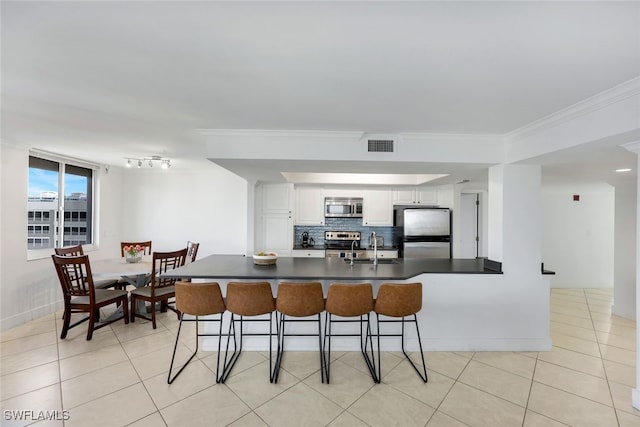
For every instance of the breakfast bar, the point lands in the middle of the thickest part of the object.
(241, 267)
(468, 304)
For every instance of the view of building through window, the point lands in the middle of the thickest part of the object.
(54, 221)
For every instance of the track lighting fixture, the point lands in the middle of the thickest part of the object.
(164, 162)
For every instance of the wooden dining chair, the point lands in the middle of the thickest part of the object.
(145, 245)
(81, 296)
(160, 289)
(98, 284)
(192, 250)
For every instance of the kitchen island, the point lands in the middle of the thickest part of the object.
(467, 304)
(241, 267)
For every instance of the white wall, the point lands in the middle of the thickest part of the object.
(29, 289)
(578, 237)
(172, 206)
(208, 206)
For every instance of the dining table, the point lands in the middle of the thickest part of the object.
(137, 274)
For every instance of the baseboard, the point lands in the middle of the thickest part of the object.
(389, 344)
(578, 285)
(624, 311)
(27, 316)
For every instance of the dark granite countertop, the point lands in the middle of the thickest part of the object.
(240, 267)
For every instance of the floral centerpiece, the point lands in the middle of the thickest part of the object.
(133, 253)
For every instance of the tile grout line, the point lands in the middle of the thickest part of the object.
(455, 381)
(606, 376)
(141, 382)
(533, 375)
(55, 324)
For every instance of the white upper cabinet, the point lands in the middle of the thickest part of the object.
(415, 196)
(377, 208)
(427, 196)
(404, 197)
(309, 206)
(277, 198)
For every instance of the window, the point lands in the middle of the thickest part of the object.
(47, 179)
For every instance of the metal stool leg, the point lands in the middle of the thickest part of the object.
(280, 349)
(229, 362)
(170, 379)
(424, 366)
(366, 341)
(423, 374)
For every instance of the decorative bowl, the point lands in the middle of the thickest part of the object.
(269, 258)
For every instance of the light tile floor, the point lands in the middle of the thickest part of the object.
(119, 379)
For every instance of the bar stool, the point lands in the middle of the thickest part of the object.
(247, 299)
(350, 300)
(399, 300)
(298, 300)
(198, 299)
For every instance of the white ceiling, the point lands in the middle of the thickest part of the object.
(109, 80)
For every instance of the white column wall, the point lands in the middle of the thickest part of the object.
(514, 218)
(495, 213)
(635, 393)
(624, 289)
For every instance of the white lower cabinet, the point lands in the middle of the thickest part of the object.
(304, 253)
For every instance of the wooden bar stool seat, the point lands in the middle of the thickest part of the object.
(350, 300)
(397, 302)
(247, 299)
(198, 299)
(302, 301)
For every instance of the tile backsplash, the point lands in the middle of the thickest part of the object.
(342, 224)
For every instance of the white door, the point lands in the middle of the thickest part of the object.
(468, 233)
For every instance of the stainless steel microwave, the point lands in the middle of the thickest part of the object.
(343, 207)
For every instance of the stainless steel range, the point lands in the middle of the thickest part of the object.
(343, 244)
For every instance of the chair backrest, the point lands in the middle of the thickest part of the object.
(399, 299)
(349, 299)
(300, 299)
(145, 245)
(70, 251)
(163, 262)
(192, 250)
(199, 299)
(74, 273)
(250, 298)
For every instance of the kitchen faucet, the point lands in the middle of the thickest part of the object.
(353, 254)
(375, 248)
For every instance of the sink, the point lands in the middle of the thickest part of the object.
(370, 261)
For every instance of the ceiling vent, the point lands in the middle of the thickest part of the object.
(380, 145)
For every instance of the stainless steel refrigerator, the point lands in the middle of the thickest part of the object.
(423, 232)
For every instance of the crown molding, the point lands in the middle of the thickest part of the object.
(280, 133)
(601, 100)
(354, 135)
(450, 137)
